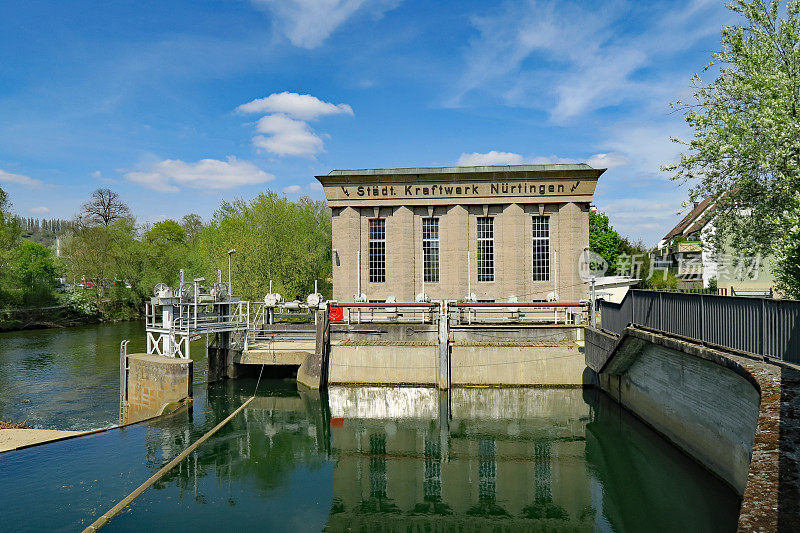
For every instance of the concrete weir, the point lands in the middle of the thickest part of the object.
(479, 355)
(734, 413)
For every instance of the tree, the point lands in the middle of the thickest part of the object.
(275, 239)
(604, 240)
(34, 272)
(9, 237)
(166, 232)
(192, 224)
(104, 207)
(746, 145)
(102, 254)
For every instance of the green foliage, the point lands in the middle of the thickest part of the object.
(81, 302)
(9, 238)
(102, 254)
(604, 240)
(34, 272)
(745, 150)
(287, 242)
(661, 281)
(165, 233)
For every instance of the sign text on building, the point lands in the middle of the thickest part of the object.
(461, 190)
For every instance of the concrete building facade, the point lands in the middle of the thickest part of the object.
(492, 231)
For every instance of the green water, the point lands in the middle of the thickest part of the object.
(372, 459)
(68, 378)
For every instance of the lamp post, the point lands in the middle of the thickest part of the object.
(230, 253)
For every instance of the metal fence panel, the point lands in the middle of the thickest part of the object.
(756, 325)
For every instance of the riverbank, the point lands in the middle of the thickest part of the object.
(54, 316)
(58, 316)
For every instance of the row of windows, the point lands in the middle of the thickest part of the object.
(485, 245)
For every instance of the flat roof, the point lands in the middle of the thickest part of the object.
(463, 170)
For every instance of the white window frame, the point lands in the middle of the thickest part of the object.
(376, 250)
(486, 266)
(540, 250)
(431, 252)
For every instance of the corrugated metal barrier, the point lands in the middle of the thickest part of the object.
(757, 325)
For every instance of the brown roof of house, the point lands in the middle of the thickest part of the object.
(691, 219)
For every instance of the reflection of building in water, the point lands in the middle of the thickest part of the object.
(508, 457)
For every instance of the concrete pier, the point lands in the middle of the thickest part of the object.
(154, 384)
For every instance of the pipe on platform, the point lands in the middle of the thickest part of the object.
(519, 304)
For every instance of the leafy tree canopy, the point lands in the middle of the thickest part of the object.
(745, 149)
(604, 240)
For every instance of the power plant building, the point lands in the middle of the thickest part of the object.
(492, 232)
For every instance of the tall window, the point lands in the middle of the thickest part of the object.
(377, 250)
(430, 250)
(541, 248)
(485, 249)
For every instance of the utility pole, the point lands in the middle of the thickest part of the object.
(230, 253)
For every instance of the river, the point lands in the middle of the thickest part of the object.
(68, 378)
(351, 458)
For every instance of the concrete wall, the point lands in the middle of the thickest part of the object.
(557, 364)
(513, 251)
(598, 347)
(384, 363)
(695, 397)
(496, 355)
(153, 382)
(384, 332)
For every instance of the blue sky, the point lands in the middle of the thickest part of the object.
(179, 104)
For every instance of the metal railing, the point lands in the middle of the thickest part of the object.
(521, 312)
(760, 326)
(198, 318)
(361, 312)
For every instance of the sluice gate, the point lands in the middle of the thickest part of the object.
(425, 343)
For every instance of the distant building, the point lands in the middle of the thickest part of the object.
(448, 232)
(688, 251)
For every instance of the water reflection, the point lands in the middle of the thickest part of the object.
(510, 457)
(386, 459)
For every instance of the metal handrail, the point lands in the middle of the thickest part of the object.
(520, 304)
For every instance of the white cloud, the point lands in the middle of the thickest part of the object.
(606, 160)
(490, 158)
(646, 146)
(609, 160)
(313, 189)
(644, 217)
(97, 174)
(307, 23)
(40, 210)
(8, 177)
(171, 175)
(528, 54)
(286, 136)
(299, 106)
(286, 126)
